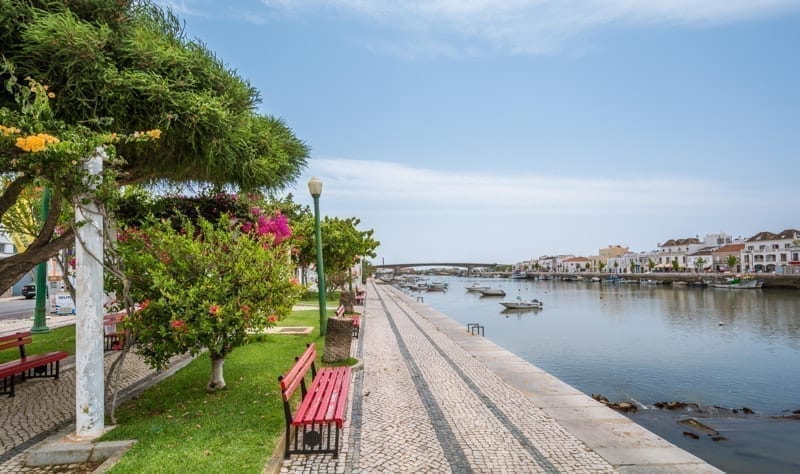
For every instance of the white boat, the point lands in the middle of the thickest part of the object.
(522, 304)
(477, 287)
(595, 279)
(493, 292)
(738, 284)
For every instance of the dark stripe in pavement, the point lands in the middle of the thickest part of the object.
(453, 453)
(496, 411)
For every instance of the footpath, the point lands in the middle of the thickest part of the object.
(432, 397)
(427, 396)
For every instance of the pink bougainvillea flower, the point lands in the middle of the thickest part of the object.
(272, 318)
(245, 309)
(294, 281)
(177, 324)
(144, 304)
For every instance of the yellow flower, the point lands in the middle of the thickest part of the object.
(155, 134)
(8, 131)
(52, 95)
(34, 143)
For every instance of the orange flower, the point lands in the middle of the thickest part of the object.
(272, 319)
(144, 304)
(178, 324)
(213, 310)
(245, 309)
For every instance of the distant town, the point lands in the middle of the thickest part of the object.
(765, 252)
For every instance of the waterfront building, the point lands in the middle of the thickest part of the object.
(721, 255)
(768, 252)
(701, 260)
(674, 252)
(576, 264)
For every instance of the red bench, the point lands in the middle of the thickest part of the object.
(114, 337)
(360, 297)
(32, 366)
(321, 412)
(355, 318)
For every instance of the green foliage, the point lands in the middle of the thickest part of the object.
(204, 285)
(178, 424)
(732, 261)
(89, 73)
(343, 245)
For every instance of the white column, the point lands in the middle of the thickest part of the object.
(89, 371)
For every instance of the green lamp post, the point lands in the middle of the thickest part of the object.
(315, 188)
(39, 319)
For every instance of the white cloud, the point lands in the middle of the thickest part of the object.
(400, 188)
(524, 26)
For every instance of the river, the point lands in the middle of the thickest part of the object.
(730, 349)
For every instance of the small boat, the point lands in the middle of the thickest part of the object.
(679, 283)
(736, 283)
(647, 282)
(698, 284)
(522, 304)
(595, 279)
(493, 292)
(477, 287)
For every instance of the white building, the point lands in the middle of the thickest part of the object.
(768, 252)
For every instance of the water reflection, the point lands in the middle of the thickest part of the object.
(713, 346)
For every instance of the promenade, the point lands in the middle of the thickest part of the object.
(431, 397)
(426, 396)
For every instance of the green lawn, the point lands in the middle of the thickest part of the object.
(59, 339)
(180, 427)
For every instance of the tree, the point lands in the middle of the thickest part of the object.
(633, 266)
(616, 266)
(205, 284)
(699, 264)
(650, 264)
(103, 70)
(601, 265)
(675, 265)
(732, 261)
(343, 244)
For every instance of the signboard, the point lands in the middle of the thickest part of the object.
(64, 304)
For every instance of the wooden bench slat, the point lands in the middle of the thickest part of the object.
(294, 377)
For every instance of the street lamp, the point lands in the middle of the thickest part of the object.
(315, 188)
(39, 319)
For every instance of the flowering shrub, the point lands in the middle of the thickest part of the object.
(206, 285)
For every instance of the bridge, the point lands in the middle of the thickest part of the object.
(469, 266)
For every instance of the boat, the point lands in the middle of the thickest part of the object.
(493, 292)
(647, 282)
(476, 287)
(736, 283)
(522, 304)
(698, 284)
(519, 275)
(679, 283)
(595, 280)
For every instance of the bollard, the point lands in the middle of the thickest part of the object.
(420, 299)
(475, 327)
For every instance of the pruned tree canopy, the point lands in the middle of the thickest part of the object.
(122, 66)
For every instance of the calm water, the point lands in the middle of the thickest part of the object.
(714, 347)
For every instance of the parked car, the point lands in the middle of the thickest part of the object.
(29, 291)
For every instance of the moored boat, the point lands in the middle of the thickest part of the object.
(493, 292)
(477, 287)
(522, 304)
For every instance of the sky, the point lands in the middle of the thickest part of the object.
(500, 131)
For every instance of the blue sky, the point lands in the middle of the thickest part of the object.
(498, 131)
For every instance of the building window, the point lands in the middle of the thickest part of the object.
(761, 247)
(783, 257)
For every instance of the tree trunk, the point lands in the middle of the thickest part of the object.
(347, 299)
(216, 382)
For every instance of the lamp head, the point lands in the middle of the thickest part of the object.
(315, 186)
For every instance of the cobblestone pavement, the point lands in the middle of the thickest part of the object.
(43, 407)
(428, 401)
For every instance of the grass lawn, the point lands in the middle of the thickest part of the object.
(182, 428)
(59, 339)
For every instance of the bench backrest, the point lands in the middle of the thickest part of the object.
(114, 318)
(16, 340)
(340, 311)
(296, 375)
